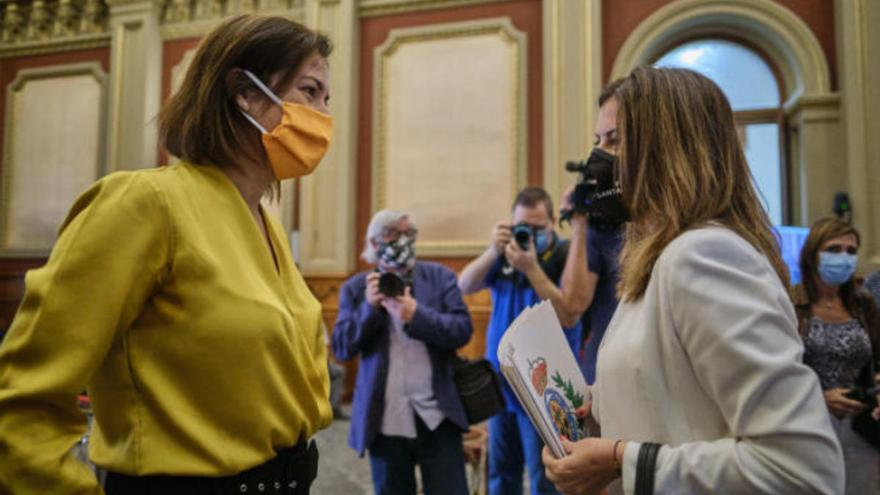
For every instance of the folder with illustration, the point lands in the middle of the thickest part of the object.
(538, 364)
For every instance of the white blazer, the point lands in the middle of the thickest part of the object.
(708, 363)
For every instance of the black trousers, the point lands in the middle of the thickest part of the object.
(291, 472)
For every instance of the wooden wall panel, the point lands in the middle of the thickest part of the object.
(525, 16)
(9, 68)
(12, 270)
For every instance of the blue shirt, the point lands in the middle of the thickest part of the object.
(510, 295)
(603, 248)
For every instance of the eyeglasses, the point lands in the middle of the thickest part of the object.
(840, 248)
(393, 233)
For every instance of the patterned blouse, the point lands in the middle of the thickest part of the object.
(837, 352)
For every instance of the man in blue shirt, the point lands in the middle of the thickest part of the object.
(521, 274)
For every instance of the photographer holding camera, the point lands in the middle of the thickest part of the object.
(525, 263)
(405, 319)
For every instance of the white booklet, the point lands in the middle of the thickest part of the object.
(537, 362)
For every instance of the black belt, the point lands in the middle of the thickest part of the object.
(291, 472)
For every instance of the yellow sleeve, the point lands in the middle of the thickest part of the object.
(113, 249)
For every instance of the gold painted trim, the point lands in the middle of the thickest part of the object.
(56, 45)
(21, 79)
(377, 8)
(500, 26)
(775, 29)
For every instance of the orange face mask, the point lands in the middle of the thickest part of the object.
(299, 142)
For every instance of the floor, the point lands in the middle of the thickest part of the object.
(340, 470)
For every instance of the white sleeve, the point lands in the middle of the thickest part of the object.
(736, 324)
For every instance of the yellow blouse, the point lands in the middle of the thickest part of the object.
(200, 357)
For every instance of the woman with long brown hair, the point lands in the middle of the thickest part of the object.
(172, 296)
(841, 331)
(700, 387)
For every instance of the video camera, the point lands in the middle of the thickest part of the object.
(597, 193)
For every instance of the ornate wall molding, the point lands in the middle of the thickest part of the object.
(44, 26)
(47, 26)
(11, 166)
(195, 18)
(376, 8)
(497, 29)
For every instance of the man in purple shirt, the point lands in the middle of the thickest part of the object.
(406, 409)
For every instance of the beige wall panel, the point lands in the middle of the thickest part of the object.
(451, 131)
(55, 151)
(572, 84)
(872, 155)
(450, 146)
(327, 198)
(858, 49)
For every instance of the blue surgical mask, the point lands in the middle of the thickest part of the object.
(544, 240)
(837, 268)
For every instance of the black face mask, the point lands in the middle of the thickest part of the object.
(605, 202)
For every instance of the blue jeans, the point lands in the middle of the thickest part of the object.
(512, 440)
(438, 453)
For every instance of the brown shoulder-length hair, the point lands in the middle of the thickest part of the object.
(857, 303)
(681, 165)
(201, 123)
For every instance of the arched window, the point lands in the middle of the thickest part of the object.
(755, 94)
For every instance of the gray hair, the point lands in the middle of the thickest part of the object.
(380, 220)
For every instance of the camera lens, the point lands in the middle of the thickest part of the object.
(522, 234)
(391, 285)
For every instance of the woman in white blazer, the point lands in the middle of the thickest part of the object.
(700, 387)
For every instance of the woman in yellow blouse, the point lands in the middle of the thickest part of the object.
(172, 296)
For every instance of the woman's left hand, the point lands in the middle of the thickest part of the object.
(587, 469)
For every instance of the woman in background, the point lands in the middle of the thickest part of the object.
(700, 386)
(172, 295)
(841, 332)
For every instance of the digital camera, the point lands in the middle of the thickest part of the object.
(391, 284)
(522, 234)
